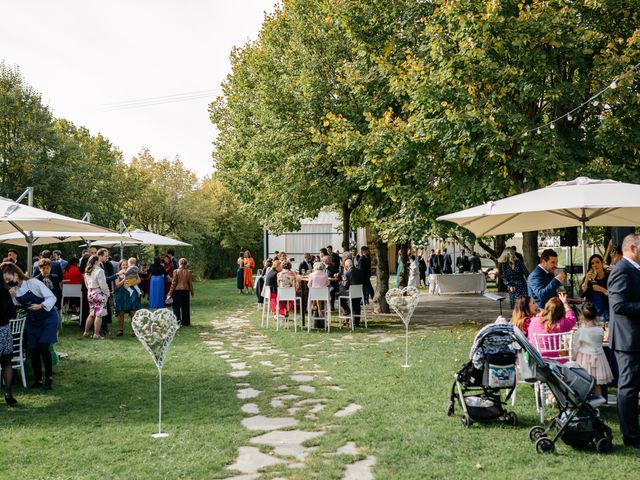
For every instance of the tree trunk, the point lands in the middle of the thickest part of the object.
(346, 227)
(530, 249)
(382, 275)
(404, 254)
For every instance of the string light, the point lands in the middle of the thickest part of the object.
(593, 101)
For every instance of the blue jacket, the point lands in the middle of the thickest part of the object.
(542, 286)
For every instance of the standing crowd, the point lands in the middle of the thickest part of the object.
(109, 287)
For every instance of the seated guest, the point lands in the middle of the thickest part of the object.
(72, 275)
(523, 310)
(260, 278)
(543, 283)
(352, 276)
(306, 265)
(333, 272)
(271, 281)
(556, 317)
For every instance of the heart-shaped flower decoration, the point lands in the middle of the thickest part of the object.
(155, 330)
(403, 302)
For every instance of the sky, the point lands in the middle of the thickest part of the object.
(140, 72)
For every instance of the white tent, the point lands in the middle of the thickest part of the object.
(581, 202)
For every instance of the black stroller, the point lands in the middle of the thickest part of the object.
(492, 368)
(578, 423)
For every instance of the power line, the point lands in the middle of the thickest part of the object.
(160, 100)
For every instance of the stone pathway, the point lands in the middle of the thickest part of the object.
(285, 414)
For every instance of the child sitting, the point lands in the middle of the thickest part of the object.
(587, 347)
(132, 277)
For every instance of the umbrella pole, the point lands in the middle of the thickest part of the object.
(584, 247)
(30, 237)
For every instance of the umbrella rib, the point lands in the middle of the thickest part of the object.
(498, 224)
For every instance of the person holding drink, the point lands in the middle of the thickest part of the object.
(594, 286)
(543, 283)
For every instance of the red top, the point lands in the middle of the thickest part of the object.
(73, 276)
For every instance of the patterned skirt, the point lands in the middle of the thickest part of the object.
(97, 302)
(6, 340)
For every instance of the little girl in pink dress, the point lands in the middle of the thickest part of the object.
(587, 347)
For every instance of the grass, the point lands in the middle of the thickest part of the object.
(98, 419)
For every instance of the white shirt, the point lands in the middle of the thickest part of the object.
(588, 340)
(37, 288)
(97, 280)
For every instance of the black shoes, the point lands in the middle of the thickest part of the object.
(9, 399)
(48, 383)
(36, 384)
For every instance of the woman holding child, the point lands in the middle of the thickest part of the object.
(126, 300)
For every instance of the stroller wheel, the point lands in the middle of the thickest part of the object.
(451, 408)
(603, 445)
(466, 420)
(545, 445)
(536, 432)
(512, 419)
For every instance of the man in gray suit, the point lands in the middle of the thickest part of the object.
(624, 335)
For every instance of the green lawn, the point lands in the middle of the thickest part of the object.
(97, 421)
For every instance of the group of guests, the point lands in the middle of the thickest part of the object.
(244, 273)
(436, 262)
(327, 269)
(612, 297)
(103, 279)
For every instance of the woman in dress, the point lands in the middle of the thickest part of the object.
(240, 273)
(125, 301)
(7, 312)
(168, 267)
(514, 275)
(249, 264)
(42, 320)
(97, 294)
(594, 286)
(414, 272)
(158, 275)
(287, 278)
(181, 290)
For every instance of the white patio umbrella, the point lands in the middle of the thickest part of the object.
(581, 202)
(46, 237)
(143, 237)
(15, 217)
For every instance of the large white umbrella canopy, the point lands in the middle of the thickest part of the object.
(143, 237)
(15, 217)
(580, 202)
(46, 237)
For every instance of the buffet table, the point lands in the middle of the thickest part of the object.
(457, 283)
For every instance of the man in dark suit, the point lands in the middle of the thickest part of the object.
(436, 262)
(543, 281)
(475, 263)
(364, 264)
(624, 335)
(333, 274)
(447, 262)
(462, 262)
(335, 258)
(306, 265)
(352, 276)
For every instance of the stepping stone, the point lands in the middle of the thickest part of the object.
(310, 401)
(251, 476)
(360, 470)
(301, 378)
(336, 388)
(240, 384)
(251, 408)
(239, 366)
(386, 340)
(245, 393)
(282, 388)
(348, 410)
(287, 443)
(250, 460)
(266, 363)
(225, 356)
(296, 465)
(318, 408)
(348, 448)
(307, 389)
(294, 410)
(260, 422)
(239, 373)
(220, 352)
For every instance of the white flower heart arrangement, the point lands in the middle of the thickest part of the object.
(156, 331)
(404, 303)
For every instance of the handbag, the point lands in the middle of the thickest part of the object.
(168, 300)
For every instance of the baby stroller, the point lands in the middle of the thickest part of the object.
(578, 423)
(492, 368)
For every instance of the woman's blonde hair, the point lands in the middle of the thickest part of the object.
(183, 262)
(318, 266)
(553, 311)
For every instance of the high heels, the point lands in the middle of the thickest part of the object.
(9, 399)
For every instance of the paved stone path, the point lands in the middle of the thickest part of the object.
(284, 414)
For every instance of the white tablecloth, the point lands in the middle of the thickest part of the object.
(457, 283)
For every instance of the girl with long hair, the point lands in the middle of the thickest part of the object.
(97, 295)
